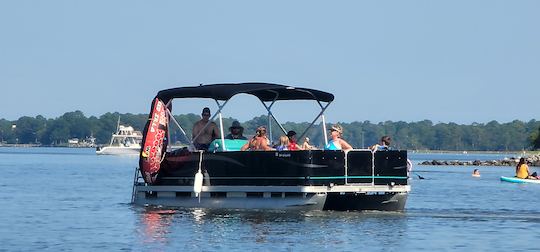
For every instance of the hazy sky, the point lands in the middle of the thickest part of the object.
(446, 61)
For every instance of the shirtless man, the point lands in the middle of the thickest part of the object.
(205, 135)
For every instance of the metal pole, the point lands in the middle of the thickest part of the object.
(221, 131)
(223, 148)
(373, 168)
(324, 129)
(270, 126)
(171, 118)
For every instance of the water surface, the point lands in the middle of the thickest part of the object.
(71, 199)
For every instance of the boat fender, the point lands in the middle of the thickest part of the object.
(197, 185)
(198, 181)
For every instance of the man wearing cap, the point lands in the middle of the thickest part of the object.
(237, 132)
(202, 136)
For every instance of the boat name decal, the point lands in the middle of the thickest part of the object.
(283, 154)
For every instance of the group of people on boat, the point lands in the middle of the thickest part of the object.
(205, 131)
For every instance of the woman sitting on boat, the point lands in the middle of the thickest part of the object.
(283, 144)
(292, 145)
(522, 170)
(259, 141)
(337, 143)
(384, 144)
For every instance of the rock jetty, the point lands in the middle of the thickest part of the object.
(533, 160)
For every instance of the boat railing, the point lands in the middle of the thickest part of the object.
(137, 180)
(354, 167)
(374, 175)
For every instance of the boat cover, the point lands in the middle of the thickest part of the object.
(264, 91)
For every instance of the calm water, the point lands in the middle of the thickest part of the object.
(71, 199)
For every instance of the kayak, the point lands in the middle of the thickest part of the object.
(519, 180)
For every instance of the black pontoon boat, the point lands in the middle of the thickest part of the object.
(306, 180)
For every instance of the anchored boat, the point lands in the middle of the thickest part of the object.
(126, 141)
(226, 177)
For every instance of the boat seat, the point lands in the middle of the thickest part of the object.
(230, 145)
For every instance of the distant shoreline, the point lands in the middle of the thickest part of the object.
(471, 152)
(409, 151)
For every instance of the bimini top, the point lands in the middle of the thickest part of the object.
(264, 91)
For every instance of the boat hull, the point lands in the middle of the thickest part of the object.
(303, 180)
(337, 198)
(519, 180)
(361, 202)
(311, 202)
(111, 150)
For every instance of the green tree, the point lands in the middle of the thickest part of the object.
(28, 129)
(536, 140)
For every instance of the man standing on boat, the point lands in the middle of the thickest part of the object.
(204, 131)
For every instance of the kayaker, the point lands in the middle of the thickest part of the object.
(522, 170)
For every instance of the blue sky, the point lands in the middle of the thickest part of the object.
(445, 61)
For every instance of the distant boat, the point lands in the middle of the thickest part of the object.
(73, 142)
(126, 141)
(87, 142)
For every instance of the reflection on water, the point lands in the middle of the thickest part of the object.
(210, 229)
(198, 215)
(156, 223)
(72, 199)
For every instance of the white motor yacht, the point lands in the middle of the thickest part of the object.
(126, 141)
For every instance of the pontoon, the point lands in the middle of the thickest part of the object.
(225, 177)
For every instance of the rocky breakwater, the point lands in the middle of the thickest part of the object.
(533, 160)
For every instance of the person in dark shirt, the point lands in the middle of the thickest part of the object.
(237, 132)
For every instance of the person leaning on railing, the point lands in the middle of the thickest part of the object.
(383, 145)
(337, 143)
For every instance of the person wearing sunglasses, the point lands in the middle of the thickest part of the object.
(202, 136)
(337, 143)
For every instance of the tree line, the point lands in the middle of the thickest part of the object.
(423, 135)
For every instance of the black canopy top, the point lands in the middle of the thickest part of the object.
(264, 91)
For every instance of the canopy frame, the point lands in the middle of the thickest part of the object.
(265, 92)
